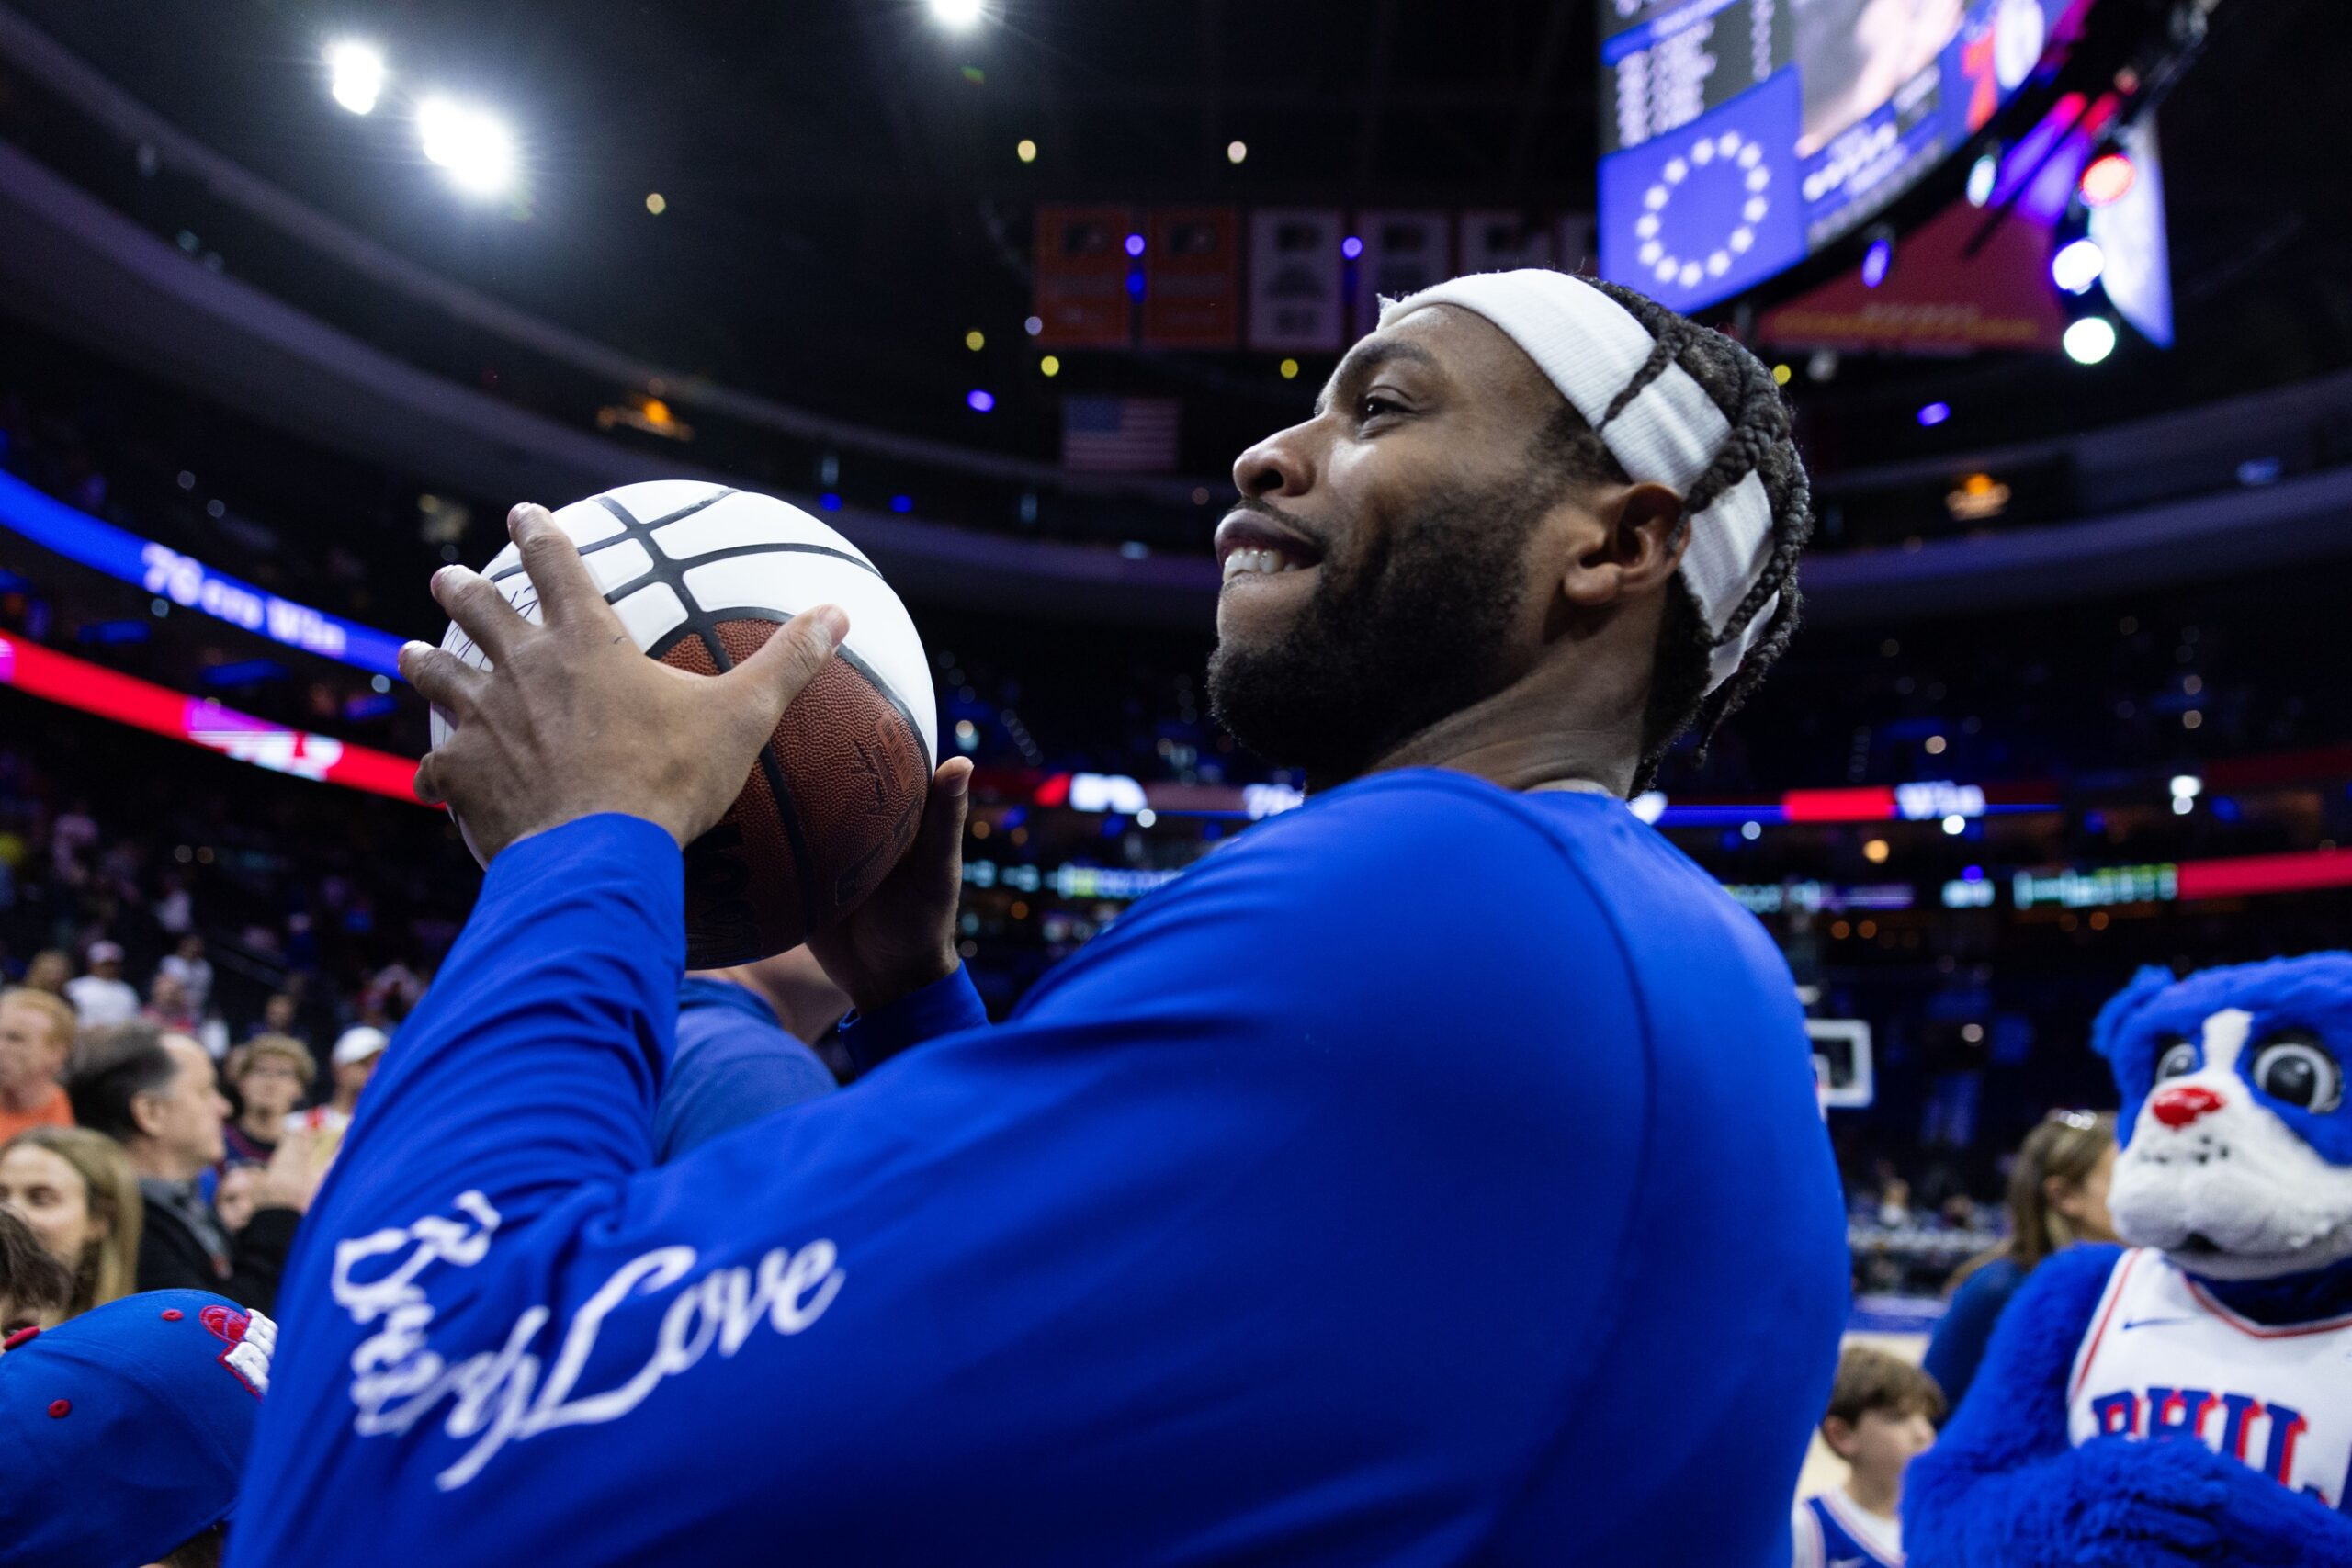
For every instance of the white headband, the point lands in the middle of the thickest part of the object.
(1591, 347)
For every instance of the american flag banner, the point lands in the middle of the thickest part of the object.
(1119, 435)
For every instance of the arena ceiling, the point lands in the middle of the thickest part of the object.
(844, 202)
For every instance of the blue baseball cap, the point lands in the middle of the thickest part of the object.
(126, 1428)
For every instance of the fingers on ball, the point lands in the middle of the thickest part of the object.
(567, 589)
(440, 677)
(476, 604)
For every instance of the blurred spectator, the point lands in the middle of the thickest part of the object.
(49, 971)
(102, 998)
(271, 1075)
(133, 1424)
(33, 1285)
(356, 1051)
(75, 1187)
(187, 964)
(2057, 1197)
(281, 1015)
(234, 1197)
(1883, 1414)
(167, 1006)
(36, 1036)
(155, 1094)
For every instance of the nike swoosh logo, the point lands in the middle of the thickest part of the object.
(2130, 1324)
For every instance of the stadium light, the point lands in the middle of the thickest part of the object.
(2078, 265)
(1980, 175)
(1877, 261)
(2089, 339)
(2106, 179)
(1236, 151)
(355, 74)
(956, 14)
(1931, 415)
(470, 143)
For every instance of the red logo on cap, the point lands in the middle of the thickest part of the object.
(250, 1337)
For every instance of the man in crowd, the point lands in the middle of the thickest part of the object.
(351, 1063)
(273, 1072)
(1199, 1257)
(102, 998)
(156, 1095)
(187, 964)
(36, 1036)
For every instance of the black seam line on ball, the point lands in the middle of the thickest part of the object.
(804, 869)
(729, 553)
(631, 528)
(882, 689)
(755, 612)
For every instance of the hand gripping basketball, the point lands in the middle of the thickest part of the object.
(569, 719)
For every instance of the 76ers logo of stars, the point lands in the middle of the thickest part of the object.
(1689, 260)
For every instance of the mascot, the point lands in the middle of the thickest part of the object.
(2187, 1399)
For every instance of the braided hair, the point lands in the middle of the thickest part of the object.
(1759, 443)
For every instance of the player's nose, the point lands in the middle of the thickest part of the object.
(2184, 1103)
(1279, 465)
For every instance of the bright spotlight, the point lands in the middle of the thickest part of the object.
(1931, 416)
(2078, 265)
(2089, 339)
(2106, 179)
(355, 74)
(1955, 825)
(1236, 151)
(1876, 262)
(470, 142)
(1980, 175)
(2188, 785)
(956, 13)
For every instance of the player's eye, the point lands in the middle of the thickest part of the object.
(2293, 1066)
(1372, 403)
(2178, 1060)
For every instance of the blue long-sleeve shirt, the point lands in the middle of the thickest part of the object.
(733, 1064)
(1432, 1174)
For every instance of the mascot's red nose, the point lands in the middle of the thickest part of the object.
(2179, 1107)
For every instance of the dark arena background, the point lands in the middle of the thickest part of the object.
(296, 300)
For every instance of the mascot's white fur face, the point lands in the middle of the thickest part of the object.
(2237, 1153)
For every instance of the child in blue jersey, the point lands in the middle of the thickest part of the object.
(1200, 1257)
(1884, 1413)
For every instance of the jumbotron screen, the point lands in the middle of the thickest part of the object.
(1740, 136)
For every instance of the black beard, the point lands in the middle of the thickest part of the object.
(1419, 629)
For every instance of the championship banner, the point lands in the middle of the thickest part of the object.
(1404, 253)
(1294, 280)
(1500, 241)
(1081, 270)
(1192, 276)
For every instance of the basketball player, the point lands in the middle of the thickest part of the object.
(1205, 1256)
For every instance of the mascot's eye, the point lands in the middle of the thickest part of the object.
(2178, 1060)
(2298, 1069)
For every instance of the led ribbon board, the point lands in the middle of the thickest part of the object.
(187, 582)
(59, 678)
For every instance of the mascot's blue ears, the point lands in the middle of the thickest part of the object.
(2107, 1033)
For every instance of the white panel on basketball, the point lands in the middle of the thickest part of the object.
(880, 632)
(746, 519)
(651, 614)
(656, 499)
(585, 519)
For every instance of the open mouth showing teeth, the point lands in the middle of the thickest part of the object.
(1250, 546)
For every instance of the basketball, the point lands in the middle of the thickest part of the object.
(701, 575)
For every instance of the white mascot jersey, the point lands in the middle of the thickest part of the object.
(2164, 1359)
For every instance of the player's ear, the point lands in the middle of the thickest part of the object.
(1630, 544)
(1838, 1433)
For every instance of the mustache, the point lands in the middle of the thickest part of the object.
(1299, 525)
